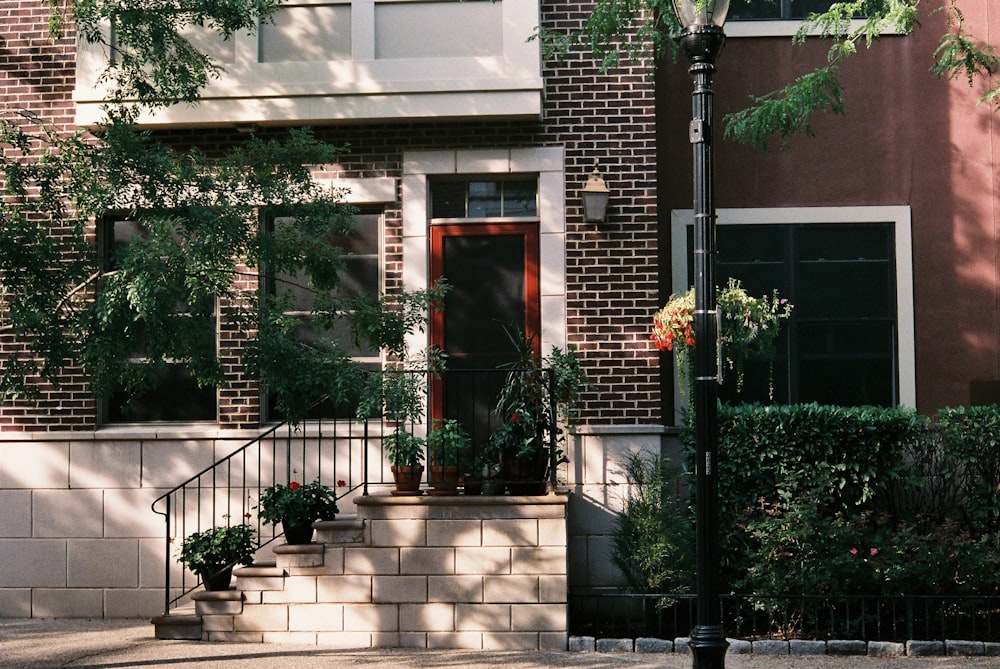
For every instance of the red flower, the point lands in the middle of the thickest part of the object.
(294, 485)
(341, 483)
(516, 418)
(246, 515)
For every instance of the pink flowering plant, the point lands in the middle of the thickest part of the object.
(749, 328)
(298, 503)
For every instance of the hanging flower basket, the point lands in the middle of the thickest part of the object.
(748, 329)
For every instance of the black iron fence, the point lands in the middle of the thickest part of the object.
(612, 613)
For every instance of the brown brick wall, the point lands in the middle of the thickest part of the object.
(611, 267)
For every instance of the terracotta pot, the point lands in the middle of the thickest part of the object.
(445, 480)
(407, 480)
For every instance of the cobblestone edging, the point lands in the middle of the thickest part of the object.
(913, 648)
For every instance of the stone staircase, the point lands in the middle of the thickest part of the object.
(418, 572)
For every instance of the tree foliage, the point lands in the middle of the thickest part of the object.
(644, 31)
(151, 60)
(122, 313)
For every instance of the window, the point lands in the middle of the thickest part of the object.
(751, 10)
(847, 271)
(481, 198)
(771, 18)
(360, 276)
(174, 395)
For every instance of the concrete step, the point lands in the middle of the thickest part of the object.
(342, 531)
(183, 624)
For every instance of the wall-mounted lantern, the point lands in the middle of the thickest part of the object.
(595, 197)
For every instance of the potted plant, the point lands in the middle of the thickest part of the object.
(539, 400)
(297, 506)
(213, 553)
(489, 468)
(406, 453)
(448, 446)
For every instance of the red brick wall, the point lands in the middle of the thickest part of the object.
(611, 267)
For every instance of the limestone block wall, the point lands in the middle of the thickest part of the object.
(595, 476)
(430, 572)
(78, 539)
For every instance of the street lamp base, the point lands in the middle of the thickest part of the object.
(708, 647)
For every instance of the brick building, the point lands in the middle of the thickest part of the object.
(882, 230)
(421, 109)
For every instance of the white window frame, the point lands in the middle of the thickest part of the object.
(362, 87)
(898, 216)
(548, 163)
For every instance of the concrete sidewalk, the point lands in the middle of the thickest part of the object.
(120, 644)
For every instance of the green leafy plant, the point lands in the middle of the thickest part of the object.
(217, 547)
(448, 444)
(298, 503)
(404, 449)
(652, 535)
(971, 463)
(539, 399)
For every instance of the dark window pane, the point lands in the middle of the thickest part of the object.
(776, 9)
(359, 277)
(754, 9)
(847, 382)
(751, 243)
(174, 396)
(845, 242)
(843, 289)
(520, 198)
(467, 260)
(478, 198)
(448, 199)
(852, 339)
(484, 199)
(839, 345)
(363, 239)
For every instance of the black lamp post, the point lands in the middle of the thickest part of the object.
(702, 38)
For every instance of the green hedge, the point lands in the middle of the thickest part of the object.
(837, 500)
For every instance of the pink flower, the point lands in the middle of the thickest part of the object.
(294, 485)
(854, 551)
(873, 552)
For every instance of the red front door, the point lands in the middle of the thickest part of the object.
(493, 273)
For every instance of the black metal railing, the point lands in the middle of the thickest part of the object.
(336, 452)
(346, 454)
(612, 613)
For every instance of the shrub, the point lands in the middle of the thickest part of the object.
(652, 537)
(971, 460)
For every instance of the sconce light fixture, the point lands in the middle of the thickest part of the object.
(595, 197)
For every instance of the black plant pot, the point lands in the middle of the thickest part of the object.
(297, 533)
(216, 578)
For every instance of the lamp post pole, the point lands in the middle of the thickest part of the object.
(702, 39)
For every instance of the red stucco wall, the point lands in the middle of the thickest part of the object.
(909, 138)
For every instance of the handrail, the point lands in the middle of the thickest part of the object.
(228, 490)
